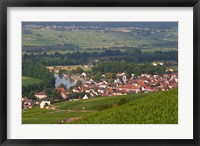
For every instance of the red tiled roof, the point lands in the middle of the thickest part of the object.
(62, 90)
(40, 93)
(104, 94)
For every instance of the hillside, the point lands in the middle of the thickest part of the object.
(152, 108)
(43, 37)
(156, 108)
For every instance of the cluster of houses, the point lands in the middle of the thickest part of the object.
(42, 99)
(122, 86)
(70, 28)
(74, 27)
(144, 83)
(29, 103)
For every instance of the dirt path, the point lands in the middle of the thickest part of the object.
(52, 107)
(69, 120)
(83, 111)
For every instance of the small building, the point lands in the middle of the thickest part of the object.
(83, 75)
(40, 95)
(27, 103)
(122, 77)
(85, 97)
(146, 75)
(43, 103)
(62, 92)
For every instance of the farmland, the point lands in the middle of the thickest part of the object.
(160, 107)
(81, 38)
(89, 39)
(70, 67)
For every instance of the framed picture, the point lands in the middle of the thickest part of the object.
(99, 72)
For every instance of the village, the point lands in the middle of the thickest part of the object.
(99, 72)
(122, 85)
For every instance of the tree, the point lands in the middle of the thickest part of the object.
(78, 83)
(31, 95)
(97, 77)
(55, 94)
(62, 86)
(48, 91)
(79, 70)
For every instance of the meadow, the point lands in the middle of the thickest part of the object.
(29, 81)
(152, 108)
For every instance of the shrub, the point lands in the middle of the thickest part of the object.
(122, 101)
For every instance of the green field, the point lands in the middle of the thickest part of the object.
(29, 81)
(156, 108)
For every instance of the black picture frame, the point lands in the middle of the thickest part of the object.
(4, 4)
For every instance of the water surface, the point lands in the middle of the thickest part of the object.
(65, 81)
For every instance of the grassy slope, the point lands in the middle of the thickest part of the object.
(160, 107)
(29, 81)
(46, 116)
(96, 103)
(156, 108)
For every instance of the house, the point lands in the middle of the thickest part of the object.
(40, 95)
(43, 103)
(85, 97)
(159, 63)
(83, 75)
(129, 88)
(62, 92)
(122, 77)
(101, 90)
(147, 89)
(105, 94)
(27, 103)
(145, 75)
(154, 64)
(63, 95)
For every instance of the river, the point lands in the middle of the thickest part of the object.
(65, 81)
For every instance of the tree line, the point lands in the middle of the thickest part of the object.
(81, 58)
(128, 68)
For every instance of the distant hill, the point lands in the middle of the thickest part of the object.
(108, 24)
